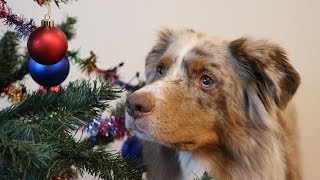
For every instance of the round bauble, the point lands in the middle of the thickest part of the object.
(49, 75)
(47, 45)
(132, 148)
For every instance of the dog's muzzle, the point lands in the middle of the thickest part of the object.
(139, 104)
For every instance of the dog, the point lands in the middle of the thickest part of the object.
(216, 105)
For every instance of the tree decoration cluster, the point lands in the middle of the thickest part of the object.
(37, 132)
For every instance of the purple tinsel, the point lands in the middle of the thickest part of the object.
(112, 127)
(23, 26)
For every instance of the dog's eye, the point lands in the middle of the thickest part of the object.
(206, 81)
(160, 70)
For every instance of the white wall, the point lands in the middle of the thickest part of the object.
(124, 30)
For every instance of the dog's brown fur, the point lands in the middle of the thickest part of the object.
(243, 126)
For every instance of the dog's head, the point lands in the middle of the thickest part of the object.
(202, 88)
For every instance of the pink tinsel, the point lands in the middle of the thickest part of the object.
(112, 127)
(22, 25)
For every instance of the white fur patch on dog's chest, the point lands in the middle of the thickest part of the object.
(192, 168)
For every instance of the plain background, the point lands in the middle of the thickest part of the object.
(124, 30)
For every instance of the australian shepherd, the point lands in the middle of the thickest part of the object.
(216, 105)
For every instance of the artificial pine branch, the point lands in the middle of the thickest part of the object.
(68, 27)
(36, 135)
(102, 163)
(119, 109)
(13, 65)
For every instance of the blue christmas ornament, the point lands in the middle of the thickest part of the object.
(49, 75)
(132, 148)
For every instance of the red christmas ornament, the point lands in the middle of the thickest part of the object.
(47, 44)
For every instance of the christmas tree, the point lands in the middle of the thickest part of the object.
(37, 132)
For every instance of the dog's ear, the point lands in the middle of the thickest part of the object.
(265, 69)
(165, 38)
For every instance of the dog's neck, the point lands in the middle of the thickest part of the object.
(244, 160)
(192, 167)
(244, 167)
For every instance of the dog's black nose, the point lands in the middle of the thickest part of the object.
(139, 103)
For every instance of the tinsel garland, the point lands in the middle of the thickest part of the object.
(111, 75)
(112, 127)
(21, 25)
(15, 93)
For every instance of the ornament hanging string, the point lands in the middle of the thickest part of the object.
(48, 15)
